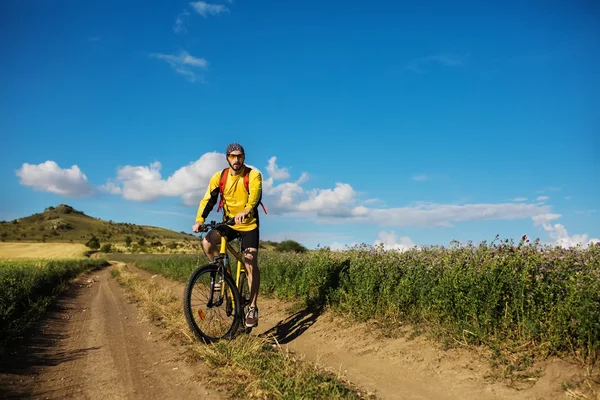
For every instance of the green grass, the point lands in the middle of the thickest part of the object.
(66, 224)
(500, 294)
(245, 367)
(27, 289)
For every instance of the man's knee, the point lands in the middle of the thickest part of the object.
(212, 239)
(250, 255)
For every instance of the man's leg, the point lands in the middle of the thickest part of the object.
(211, 243)
(251, 263)
(250, 243)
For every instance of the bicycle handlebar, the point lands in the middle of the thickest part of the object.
(213, 224)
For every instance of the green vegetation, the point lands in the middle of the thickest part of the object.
(28, 287)
(93, 243)
(503, 295)
(286, 245)
(248, 366)
(63, 223)
(290, 245)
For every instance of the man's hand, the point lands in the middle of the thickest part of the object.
(240, 216)
(196, 227)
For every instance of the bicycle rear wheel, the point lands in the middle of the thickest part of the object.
(210, 314)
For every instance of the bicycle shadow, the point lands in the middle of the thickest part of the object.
(293, 326)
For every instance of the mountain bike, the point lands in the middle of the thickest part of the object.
(214, 303)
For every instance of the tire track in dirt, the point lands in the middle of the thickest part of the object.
(392, 368)
(92, 345)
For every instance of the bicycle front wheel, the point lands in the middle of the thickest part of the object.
(212, 312)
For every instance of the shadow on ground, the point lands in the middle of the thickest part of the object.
(293, 326)
(24, 358)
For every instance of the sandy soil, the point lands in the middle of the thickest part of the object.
(42, 250)
(92, 345)
(391, 368)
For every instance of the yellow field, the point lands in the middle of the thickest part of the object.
(46, 251)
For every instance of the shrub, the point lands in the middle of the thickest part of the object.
(93, 243)
(106, 248)
(291, 245)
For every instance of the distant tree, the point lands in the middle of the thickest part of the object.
(93, 243)
(128, 241)
(106, 248)
(156, 243)
(291, 245)
(142, 241)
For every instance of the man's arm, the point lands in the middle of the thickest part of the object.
(255, 188)
(210, 198)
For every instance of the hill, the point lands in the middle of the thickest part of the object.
(63, 223)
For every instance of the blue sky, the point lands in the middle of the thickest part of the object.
(371, 122)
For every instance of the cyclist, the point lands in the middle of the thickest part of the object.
(242, 205)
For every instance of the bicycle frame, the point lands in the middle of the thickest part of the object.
(226, 247)
(241, 265)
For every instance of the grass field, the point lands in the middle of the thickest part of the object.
(503, 295)
(27, 289)
(46, 251)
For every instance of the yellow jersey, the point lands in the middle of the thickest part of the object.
(236, 198)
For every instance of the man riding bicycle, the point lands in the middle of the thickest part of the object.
(239, 202)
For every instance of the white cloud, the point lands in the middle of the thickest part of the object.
(204, 8)
(329, 202)
(145, 183)
(275, 172)
(390, 241)
(585, 212)
(49, 177)
(544, 218)
(340, 204)
(520, 199)
(110, 187)
(336, 246)
(446, 214)
(183, 63)
(419, 65)
(302, 237)
(543, 198)
(420, 178)
(558, 233)
(180, 22)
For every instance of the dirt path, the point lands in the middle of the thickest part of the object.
(400, 368)
(92, 345)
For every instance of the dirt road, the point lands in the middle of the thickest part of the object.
(92, 345)
(391, 368)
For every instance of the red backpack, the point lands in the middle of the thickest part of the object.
(223, 180)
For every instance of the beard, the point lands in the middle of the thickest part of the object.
(236, 166)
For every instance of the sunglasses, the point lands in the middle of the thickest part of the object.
(234, 156)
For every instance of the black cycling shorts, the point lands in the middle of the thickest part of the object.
(249, 239)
